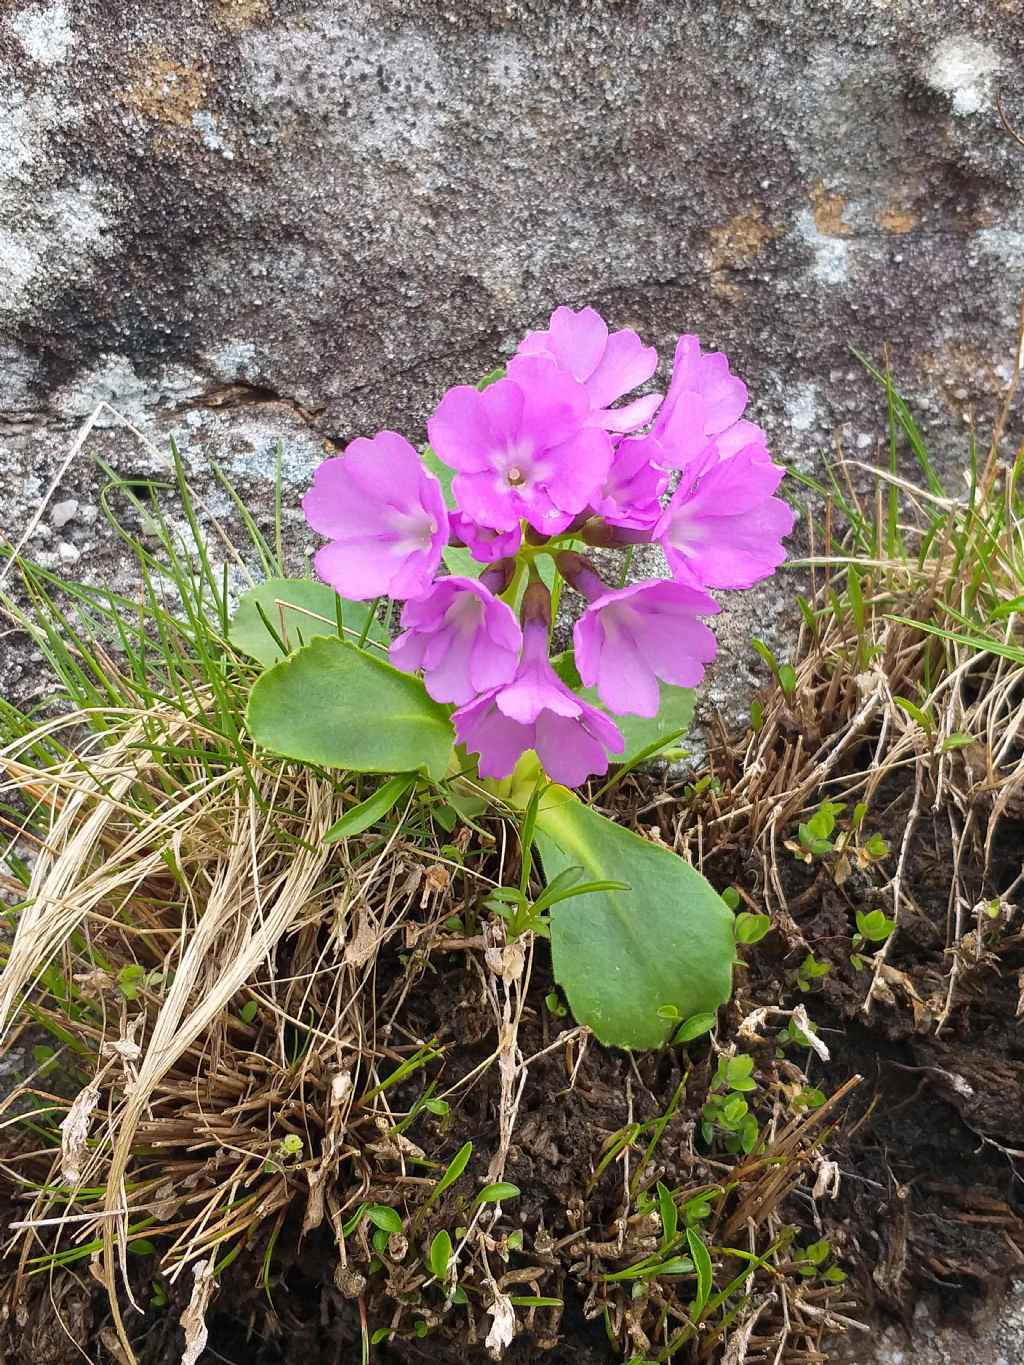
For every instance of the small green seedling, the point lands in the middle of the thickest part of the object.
(797, 1035)
(810, 1262)
(815, 835)
(693, 1028)
(810, 1098)
(726, 1114)
(811, 970)
(785, 674)
(749, 928)
(133, 979)
(874, 928)
(289, 1149)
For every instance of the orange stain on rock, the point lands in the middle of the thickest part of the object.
(241, 14)
(166, 91)
(828, 212)
(741, 239)
(899, 221)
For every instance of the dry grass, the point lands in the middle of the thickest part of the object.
(905, 665)
(245, 1076)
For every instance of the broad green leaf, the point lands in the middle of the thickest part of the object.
(622, 955)
(298, 609)
(440, 1254)
(338, 706)
(384, 1217)
(371, 810)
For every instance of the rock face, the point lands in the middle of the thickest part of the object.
(244, 221)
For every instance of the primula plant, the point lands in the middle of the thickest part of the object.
(476, 537)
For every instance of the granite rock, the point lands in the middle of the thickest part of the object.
(244, 221)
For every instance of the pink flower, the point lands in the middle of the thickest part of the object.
(384, 515)
(723, 528)
(461, 636)
(625, 641)
(703, 401)
(632, 492)
(608, 366)
(537, 711)
(486, 546)
(521, 448)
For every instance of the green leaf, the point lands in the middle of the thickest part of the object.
(675, 1265)
(811, 842)
(669, 1215)
(141, 1247)
(249, 1011)
(534, 1301)
(705, 1272)
(809, 1098)
(456, 1166)
(818, 1252)
(751, 928)
(621, 955)
(875, 926)
(440, 1254)
(336, 705)
(298, 609)
(371, 810)
(739, 1072)
(130, 980)
(491, 377)
(694, 1027)
(458, 560)
(496, 1193)
(915, 713)
(441, 472)
(384, 1217)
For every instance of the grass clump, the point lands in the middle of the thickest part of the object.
(287, 1052)
(273, 1026)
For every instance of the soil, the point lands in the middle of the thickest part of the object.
(928, 1202)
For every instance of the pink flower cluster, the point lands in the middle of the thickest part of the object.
(545, 461)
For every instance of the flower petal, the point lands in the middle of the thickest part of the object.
(625, 364)
(459, 431)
